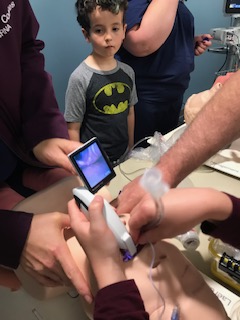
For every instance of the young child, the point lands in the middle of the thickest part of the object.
(101, 91)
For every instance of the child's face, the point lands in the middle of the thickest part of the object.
(106, 33)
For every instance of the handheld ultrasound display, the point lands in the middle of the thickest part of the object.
(92, 164)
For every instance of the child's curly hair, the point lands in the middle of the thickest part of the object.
(85, 7)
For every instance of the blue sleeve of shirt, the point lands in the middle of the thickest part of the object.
(135, 12)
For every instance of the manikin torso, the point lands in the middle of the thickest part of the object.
(178, 281)
(175, 278)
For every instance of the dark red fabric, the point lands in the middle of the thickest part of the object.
(120, 301)
(29, 112)
(14, 228)
(228, 230)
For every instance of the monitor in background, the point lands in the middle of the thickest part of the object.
(232, 7)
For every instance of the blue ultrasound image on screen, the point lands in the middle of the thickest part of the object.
(234, 4)
(92, 164)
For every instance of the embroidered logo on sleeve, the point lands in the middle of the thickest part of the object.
(5, 20)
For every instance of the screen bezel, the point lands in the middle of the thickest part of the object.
(100, 183)
(230, 11)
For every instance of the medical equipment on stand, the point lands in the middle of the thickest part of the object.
(229, 37)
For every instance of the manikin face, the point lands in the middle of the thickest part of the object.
(106, 33)
(197, 101)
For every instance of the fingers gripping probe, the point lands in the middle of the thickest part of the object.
(84, 197)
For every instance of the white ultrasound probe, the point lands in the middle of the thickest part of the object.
(84, 197)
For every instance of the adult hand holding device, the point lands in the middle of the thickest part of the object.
(92, 164)
(98, 242)
(53, 152)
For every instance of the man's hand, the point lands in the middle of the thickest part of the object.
(129, 197)
(134, 200)
(53, 152)
(46, 255)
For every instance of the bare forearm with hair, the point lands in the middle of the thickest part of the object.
(216, 125)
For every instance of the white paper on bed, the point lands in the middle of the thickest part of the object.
(227, 160)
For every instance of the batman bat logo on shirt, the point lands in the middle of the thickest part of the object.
(112, 98)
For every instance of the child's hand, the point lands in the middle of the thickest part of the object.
(98, 242)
